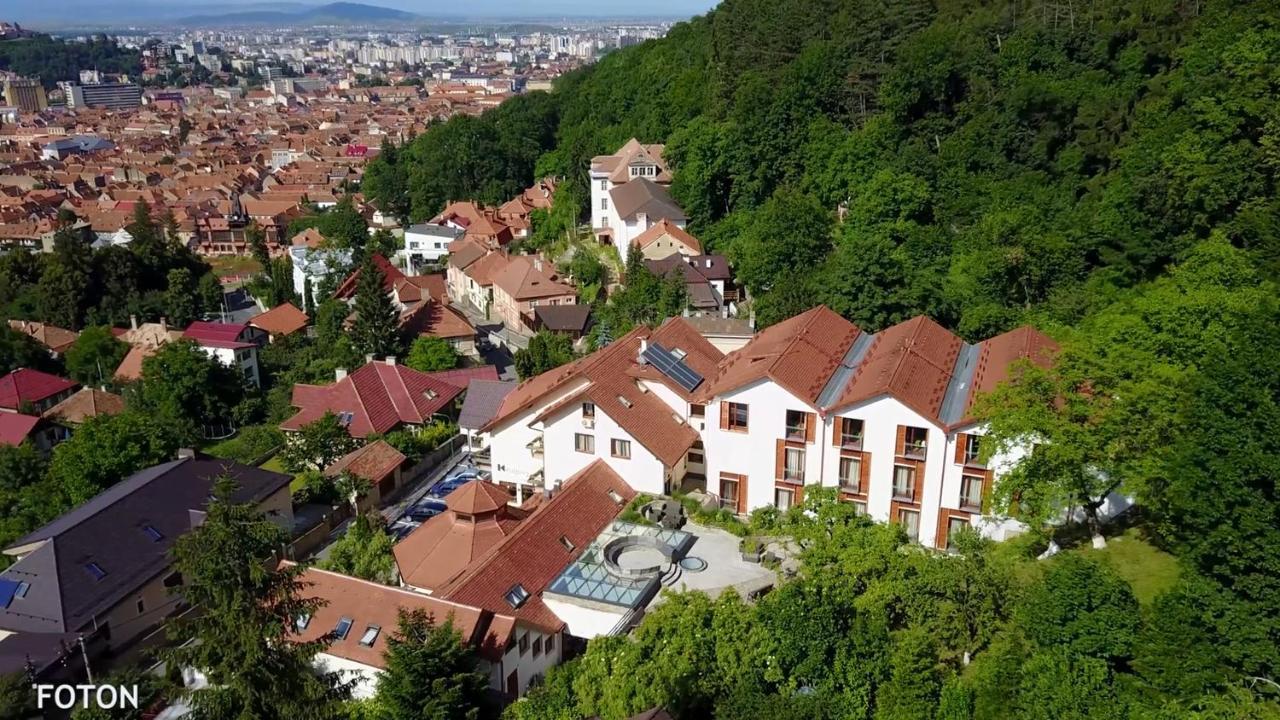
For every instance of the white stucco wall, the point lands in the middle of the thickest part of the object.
(753, 453)
(512, 461)
(643, 471)
(584, 622)
(364, 677)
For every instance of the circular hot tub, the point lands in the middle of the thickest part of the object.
(637, 556)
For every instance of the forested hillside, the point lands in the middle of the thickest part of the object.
(1105, 170)
(53, 60)
(995, 158)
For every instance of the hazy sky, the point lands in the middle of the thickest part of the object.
(71, 11)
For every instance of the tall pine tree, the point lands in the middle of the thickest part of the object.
(376, 330)
(248, 608)
(430, 673)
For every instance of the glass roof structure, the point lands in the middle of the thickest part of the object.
(588, 578)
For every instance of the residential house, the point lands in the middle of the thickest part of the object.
(104, 570)
(426, 243)
(85, 404)
(378, 464)
(615, 405)
(666, 238)
(33, 392)
(280, 321)
(726, 334)
(708, 281)
(476, 223)
(143, 341)
(635, 207)
(358, 616)
(312, 265)
(383, 396)
(814, 400)
(56, 339)
(235, 345)
(570, 320)
(17, 428)
(525, 283)
(515, 562)
(884, 417)
(633, 160)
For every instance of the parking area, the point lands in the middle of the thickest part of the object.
(428, 499)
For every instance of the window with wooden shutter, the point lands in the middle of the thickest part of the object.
(724, 415)
(780, 459)
(810, 423)
(961, 441)
(866, 471)
(900, 443)
(837, 431)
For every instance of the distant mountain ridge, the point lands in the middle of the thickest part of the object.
(339, 13)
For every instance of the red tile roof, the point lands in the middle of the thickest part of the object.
(217, 334)
(390, 276)
(998, 355)
(381, 396)
(799, 354)
(444, 546)
(372, 462)
(15, 427)
(533, 555)
(368, 603)
(912, 361)
(26, 385)
(283, 319)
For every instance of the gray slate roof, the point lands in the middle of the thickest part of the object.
(644, 195)
(110, 531)
(481, 404)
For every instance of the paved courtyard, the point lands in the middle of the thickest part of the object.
(725, 566)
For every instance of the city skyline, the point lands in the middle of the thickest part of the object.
(84, 12)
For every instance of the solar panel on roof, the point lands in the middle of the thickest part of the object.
(671, 366)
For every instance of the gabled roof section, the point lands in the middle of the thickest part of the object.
(26, 385)
(109, 530)
(380, 396)
(667, 229)
(283, 319)
(642, 195)
(84, 404)
(997, 356)
(16, 427)
(911, 361)
(367, 603)
(533, 555)
(217, 334)
(390, 276)
(799, 354)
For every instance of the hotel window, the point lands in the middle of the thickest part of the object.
(697, 410)
(738, 416)
(851, 474)
(524, 643)
(588, 410)
(584, 443)
(537, 647)
(793, 465)
(796, 425)
(910, 521)
(904, 482)
(954, 525)
(729, 491)
(604, 203)
(915, 442)
(550, 644)
(860, 507)
(850, 433)
(783, 498)
(620, 449)
(971, 491)
(972, 450)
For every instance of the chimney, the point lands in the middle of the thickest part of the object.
(644, 345)
(368, 358)
(391, 359)
(339, 374)
(133, 322)
(537, 264)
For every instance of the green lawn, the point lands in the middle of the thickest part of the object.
(275, 465)
(224, 265)
(1149, 570)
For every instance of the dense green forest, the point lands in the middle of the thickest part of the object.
(996, 159)
(52, 61)
(1104, 170)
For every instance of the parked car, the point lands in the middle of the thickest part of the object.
(425, 510)
(401, 528)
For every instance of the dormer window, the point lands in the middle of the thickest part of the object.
(516, 596)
